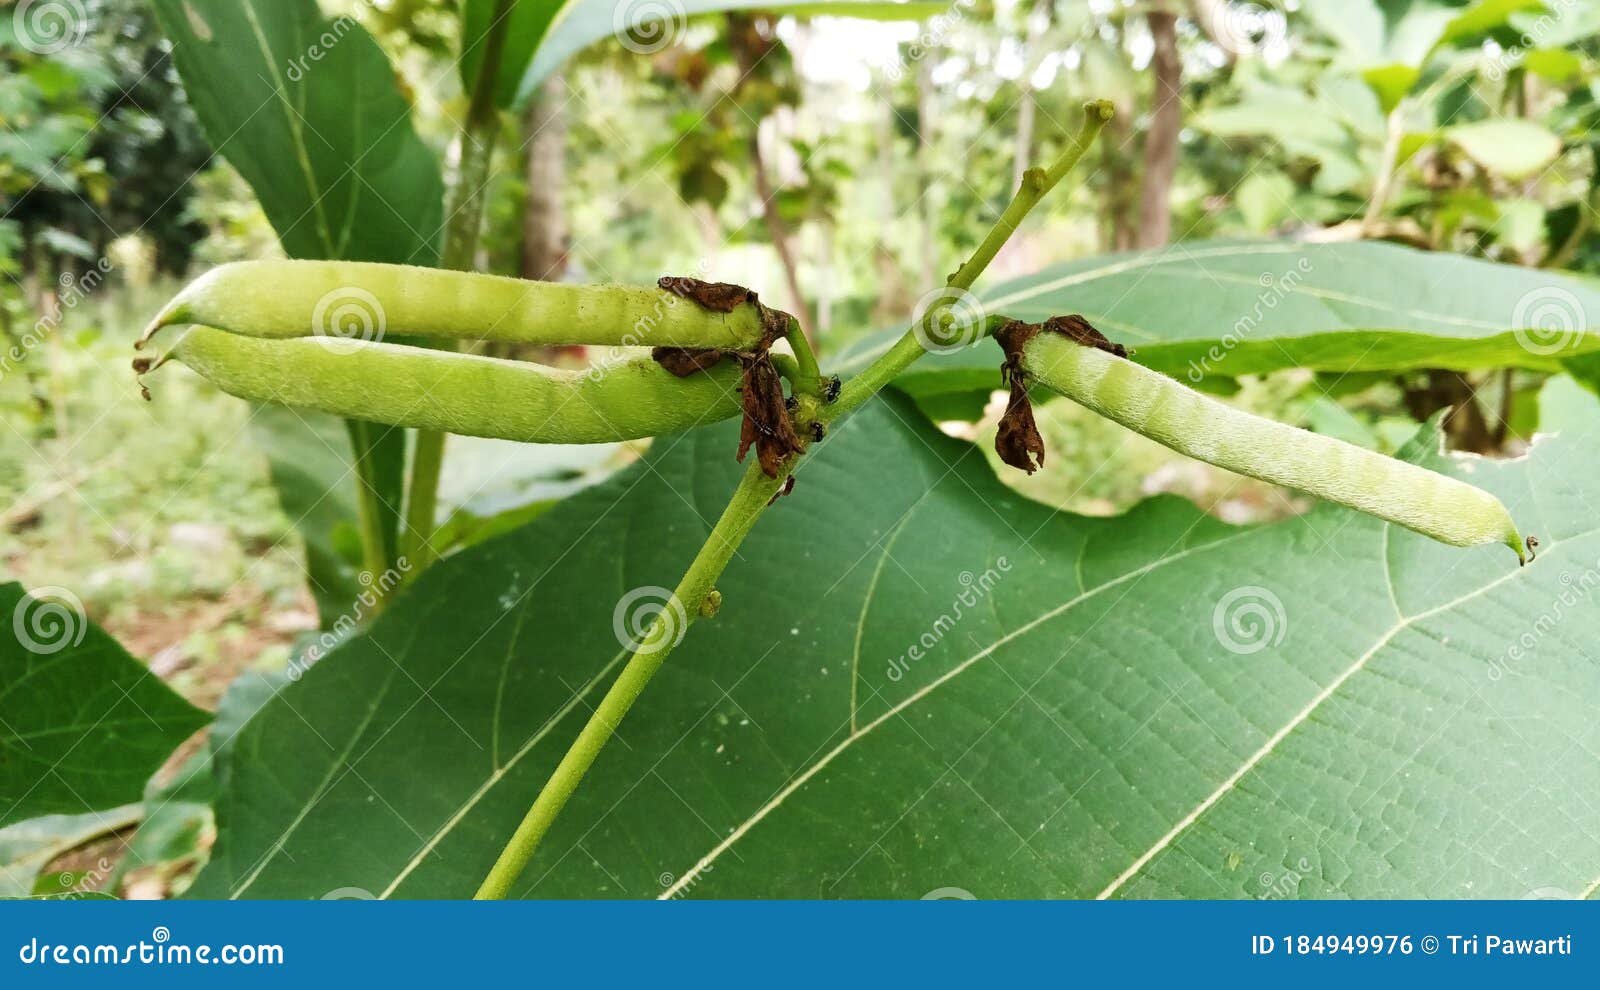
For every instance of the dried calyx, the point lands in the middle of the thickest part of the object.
(1018, 441)
(767, 425)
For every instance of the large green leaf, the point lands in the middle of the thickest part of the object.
(920, 680)
(541, 36)
(1220, 310)
(83, 725)
(308, 110)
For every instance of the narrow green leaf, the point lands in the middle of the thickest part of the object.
(308, 110)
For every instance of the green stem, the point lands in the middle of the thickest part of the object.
(463, 222)
(1035, 184)
(749, 500)
(810, 375)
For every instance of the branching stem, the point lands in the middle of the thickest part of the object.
(750, 500)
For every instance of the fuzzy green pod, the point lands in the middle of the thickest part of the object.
(365, 301)
(1172, 414)
(461, 393)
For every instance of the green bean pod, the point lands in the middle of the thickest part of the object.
(286, 298)
(1172, 414)
(461, 393)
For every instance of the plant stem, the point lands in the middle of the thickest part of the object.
(805, 359)
(1035, 184)
(463, 221)
(666, 631)
(750, 500)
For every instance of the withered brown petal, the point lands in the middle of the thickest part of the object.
(720, 297)
(685, 361)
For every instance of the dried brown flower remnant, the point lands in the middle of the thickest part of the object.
(767, 425)
(1018, 441)
(766, 421)
(686, 361)
(719, 297)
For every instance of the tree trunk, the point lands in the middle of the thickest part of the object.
(778, 232)
(1120, 223)
(1161, 143)
(544, 217)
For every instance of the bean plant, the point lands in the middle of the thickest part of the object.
(816, 641)
(248, 329)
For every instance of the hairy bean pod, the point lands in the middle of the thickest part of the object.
(1172, 414)
(461, 393)
(287, 298)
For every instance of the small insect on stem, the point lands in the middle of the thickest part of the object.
(1084, 367)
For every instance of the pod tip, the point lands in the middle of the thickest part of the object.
(1532, 545)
